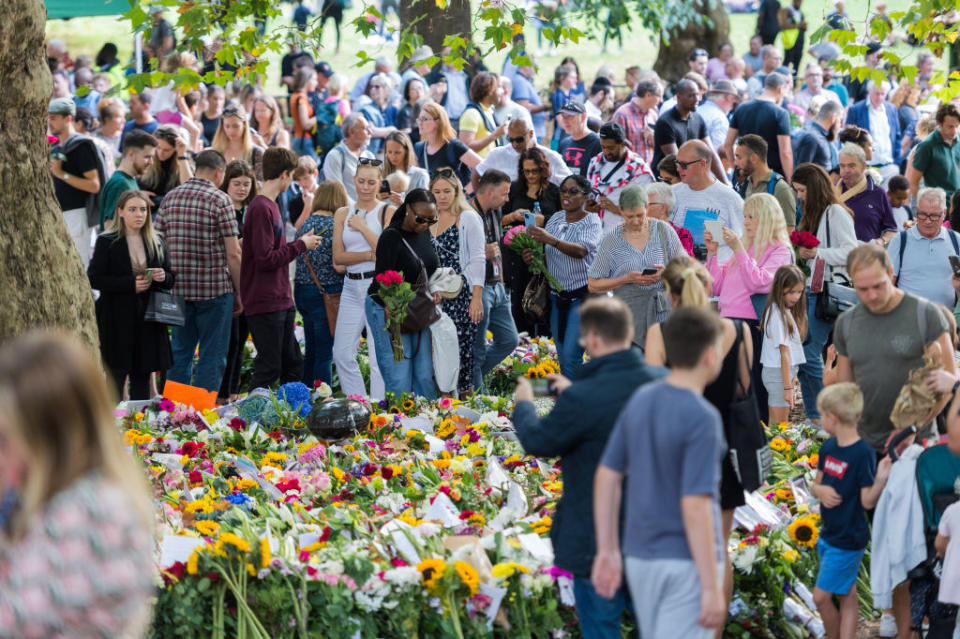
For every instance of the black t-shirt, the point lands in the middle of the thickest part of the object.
(549, 200)
(672, 129)
(770, 26)
(209, 127)
(443, 155)
(767, 120)
(578, 153)
(79, 160)
(292, 61)
(393, 255)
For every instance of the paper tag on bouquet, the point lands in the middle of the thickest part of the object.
(443, 510)
(817, 275)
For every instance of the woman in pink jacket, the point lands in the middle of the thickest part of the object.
(764, 248)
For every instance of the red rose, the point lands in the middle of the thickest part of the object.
(189, 449)
(386, 472)
(326, 534)
(195, 477)
(237, 424)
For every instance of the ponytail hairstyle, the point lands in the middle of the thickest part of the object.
(786, 278)
(413, 197)
(687, 278)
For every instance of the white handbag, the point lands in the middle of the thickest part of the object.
(446, 282)
(446, 353)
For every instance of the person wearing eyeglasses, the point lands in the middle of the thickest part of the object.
(507, 158)
(571, 240)
(406, 246)
(439, 146)
(356, 235)
(341, 162)
(610, 171)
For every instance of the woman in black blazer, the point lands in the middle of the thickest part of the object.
(128, 262)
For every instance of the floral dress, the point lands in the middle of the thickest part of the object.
(448, 250)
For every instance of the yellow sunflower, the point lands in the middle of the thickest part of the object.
(408, 404)
(236, 541)
(468, 575)
(447, 427)
(206, 528)
(432, 571)
(803, 531)
(779, 444)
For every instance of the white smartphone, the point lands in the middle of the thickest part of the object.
(715, 228)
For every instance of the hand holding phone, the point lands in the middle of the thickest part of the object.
(529, 219)
(648, 271)
(543, 388)
(955, 265)
(385, 187)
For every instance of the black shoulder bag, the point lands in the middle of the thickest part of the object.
(749, 451)
(421, 312)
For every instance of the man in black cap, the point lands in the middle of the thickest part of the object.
(611, 170)
(580, 145)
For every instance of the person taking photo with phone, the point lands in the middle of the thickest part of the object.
(576, 430)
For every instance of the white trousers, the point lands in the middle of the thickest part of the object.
(351, 320)
(76, 220)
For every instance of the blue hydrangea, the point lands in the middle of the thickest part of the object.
(238, 498)
(297, 396)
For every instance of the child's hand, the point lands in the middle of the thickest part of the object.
(829, 497)
(883, 468)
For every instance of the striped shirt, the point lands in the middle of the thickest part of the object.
(616, 256)
(571, 272)
(193, 219)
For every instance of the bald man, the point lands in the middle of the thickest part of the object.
(506, 158)
(682, 123)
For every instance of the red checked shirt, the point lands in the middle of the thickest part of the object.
(635, 123)
(193, 219)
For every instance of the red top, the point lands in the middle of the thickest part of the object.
(264, 270)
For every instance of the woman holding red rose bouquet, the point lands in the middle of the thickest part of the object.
(406, 247)
(822, 210)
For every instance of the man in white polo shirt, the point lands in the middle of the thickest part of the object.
(506, 158)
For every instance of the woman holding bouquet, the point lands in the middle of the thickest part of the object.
(459, 238)
(630, 259)
(405, 247)
(571, 239)
(832, 222)
(533, 186)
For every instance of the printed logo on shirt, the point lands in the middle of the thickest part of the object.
(572, 156)
(834, 467)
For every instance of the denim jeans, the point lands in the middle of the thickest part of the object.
(318, 343)
(303, 146)
(207, 324)
(599, 617)
(811, 372)
(569, 350)
(498, 318)
(415, 372)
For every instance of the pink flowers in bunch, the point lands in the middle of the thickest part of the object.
(804, 239)
(389, 277)
(512, 233)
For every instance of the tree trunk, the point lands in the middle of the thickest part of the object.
(671, 62)
(434, 24)
(41, 275)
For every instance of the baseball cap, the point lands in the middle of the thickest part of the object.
(324, 69)
(612, 131)
(62, 106)
(571, 107)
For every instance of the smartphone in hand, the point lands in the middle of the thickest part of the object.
(955, 265)
(529, 219)
(648, 271)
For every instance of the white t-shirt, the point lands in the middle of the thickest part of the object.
(950, 580)
(775, 335)
(716, 202)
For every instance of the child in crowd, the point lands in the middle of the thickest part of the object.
(898, 190)
(671, 440)
(302, 190)
(849, 482)
(784, 326)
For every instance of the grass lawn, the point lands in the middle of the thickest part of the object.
(86, 35)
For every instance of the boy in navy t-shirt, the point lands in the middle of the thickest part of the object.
(849, 482)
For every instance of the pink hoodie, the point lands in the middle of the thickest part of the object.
(735, 284)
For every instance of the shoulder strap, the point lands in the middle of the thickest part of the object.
(903, 247)
(772, 182)
(922, 321)
(953, 240)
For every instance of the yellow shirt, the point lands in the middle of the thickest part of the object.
(471, 121)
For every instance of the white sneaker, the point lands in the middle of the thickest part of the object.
(888, 626)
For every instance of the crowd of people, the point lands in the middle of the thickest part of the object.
(722, 211)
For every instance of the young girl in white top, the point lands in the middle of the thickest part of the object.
(784, 324)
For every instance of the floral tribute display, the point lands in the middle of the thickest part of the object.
(428, 522)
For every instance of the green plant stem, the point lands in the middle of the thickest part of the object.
(238, 588)
(454, 615)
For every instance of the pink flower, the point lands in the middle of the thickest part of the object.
(389, 277)
(195, 477)
(445, 403)
(512, 233)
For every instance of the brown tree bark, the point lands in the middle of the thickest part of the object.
(42, 279)
(434, 24)
(672, 59)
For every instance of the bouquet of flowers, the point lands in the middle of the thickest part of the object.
(396, 295)
(518, 240)
(804, 239)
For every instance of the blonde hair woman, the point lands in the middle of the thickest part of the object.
(267, 123)
(688, 284)
(438, 146)
(234, 142)
(458, 236)
(76, 551)
(128, 262)
(764, 247)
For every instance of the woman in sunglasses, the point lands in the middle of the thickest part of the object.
(459, 238)
(406, 247)
(234, 142)
(571, 240)
(356, 235)
(532, 187)
(439, 146)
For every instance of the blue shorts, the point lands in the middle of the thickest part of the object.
(838, 568)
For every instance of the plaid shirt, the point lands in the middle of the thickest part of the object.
(634, 123)
(193, 219)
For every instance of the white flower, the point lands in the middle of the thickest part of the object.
(744, 558)
(403, 576)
